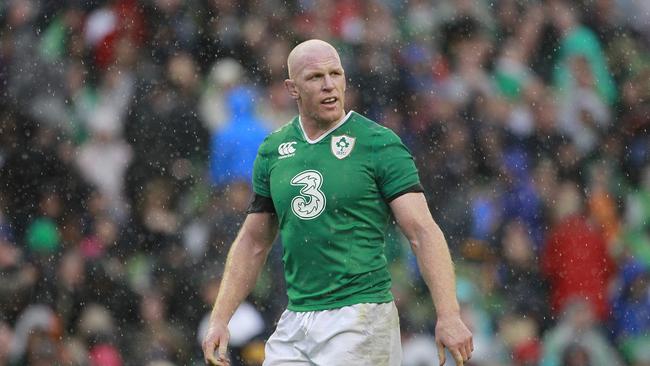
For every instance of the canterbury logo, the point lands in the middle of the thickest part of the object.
(286, 149)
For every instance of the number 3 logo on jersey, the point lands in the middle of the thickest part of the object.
(311, 201)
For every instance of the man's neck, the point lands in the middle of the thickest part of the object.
(314, 129)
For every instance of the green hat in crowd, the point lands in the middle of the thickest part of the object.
(43, 236)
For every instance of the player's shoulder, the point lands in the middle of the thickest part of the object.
(378, 134)
(276, 137)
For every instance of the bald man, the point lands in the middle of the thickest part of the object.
(328, 181)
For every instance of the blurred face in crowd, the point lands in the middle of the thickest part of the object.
(317, 82)
(6, 338)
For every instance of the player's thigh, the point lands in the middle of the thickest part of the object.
(284, 346)
(362, 334)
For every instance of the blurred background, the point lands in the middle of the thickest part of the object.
(128, 131)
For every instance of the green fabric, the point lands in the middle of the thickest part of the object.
(43, 236)
(636, 348)
(636, 237)
(331, 210)
(583, 42)
(638, 242)
(508, 85)
(396, 243)
(53, 40)
(643, 198)
(83, 104)
(138, 271)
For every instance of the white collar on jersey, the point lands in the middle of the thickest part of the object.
(337, 125)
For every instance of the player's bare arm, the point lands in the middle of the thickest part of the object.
(245, 261)
(430, 248)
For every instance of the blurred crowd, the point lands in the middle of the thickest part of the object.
(128, 131)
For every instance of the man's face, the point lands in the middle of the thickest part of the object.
(319, 84)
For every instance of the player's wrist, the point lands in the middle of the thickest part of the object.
(450, 313)
(218, 319)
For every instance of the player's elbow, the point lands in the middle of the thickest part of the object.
(252, 244)
(424, 235)
(260, 248)
(415, 244)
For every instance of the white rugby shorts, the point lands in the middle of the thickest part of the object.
(361, 334)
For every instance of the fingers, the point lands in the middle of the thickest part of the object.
(458, 357)
(213, 360)
(208, 352)
(469, 348)
(464, 351)
(223, 350)
(441, 353)
(461, 353)
(219, 362)
(209, 348)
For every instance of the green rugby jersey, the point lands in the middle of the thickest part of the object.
(331, 197)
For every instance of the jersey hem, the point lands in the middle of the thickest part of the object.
(415, 188)
(259, 203)
(340, 304)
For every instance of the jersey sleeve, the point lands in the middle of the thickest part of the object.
(395, 168)
(261, 181)
(260, 204)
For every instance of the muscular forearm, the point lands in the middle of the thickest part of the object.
(437, 269)
(430, 248)
(245, 261)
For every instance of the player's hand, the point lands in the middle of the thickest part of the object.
(451, 333)
(216, 339)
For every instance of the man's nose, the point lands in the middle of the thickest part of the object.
(328, 83)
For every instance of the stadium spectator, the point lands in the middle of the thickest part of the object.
(631, 311)
(575, 258)
(17, 279)
(234, 146)
(577, 339)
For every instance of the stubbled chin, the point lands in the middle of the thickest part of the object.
(331, 115)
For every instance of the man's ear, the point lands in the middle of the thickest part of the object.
(291, 88)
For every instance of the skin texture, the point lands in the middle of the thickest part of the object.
(430, 248)
(245, 261)
(316, 74)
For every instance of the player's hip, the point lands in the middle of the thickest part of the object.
(360, 334)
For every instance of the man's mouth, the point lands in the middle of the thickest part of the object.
(329, 101)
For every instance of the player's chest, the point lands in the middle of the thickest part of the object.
(323, 171)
